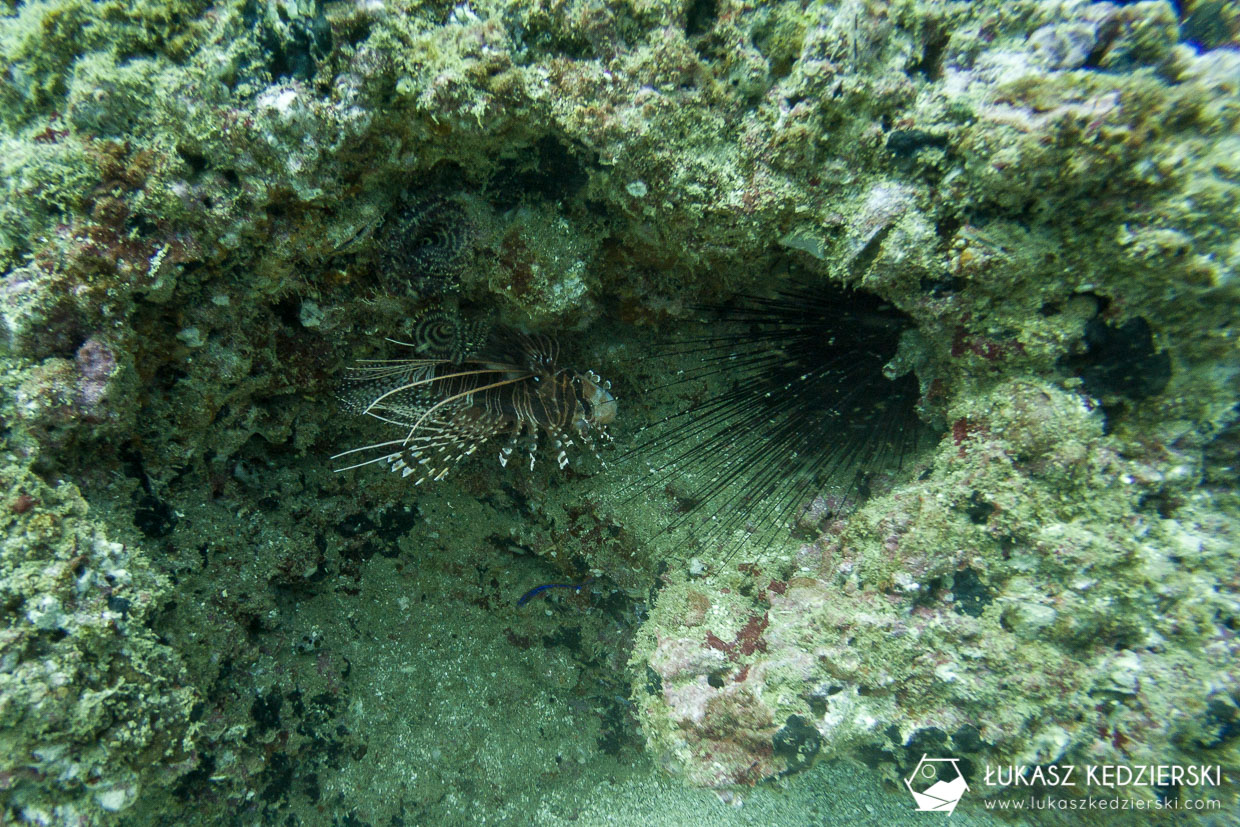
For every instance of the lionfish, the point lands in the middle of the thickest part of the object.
(472, 385)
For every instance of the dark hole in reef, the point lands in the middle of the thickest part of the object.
(196, 161)
(615, 604)
(396, 523)
(296, 51)
(549, 169)
(195, 782)
(354, 524)
(945, 228)
(277, 778)
(873, 756)
(566, 636)
(1117, 363)
(1221, 723)
(701, 17)
(288, 311)
(798, 742)
(978, 509)
(265, 711)
(353, 29)
(932, 741)
(11, 605)
(967, 738)
(1164, 503)
(942, 286)
(930, 64)
(256, 625)
(905, 143)
(654, 684)
(154, 517)
(519, 500)
(1107, 33)
(970, 593)
(142, 225)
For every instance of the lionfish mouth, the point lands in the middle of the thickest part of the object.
(459, 396)
(596, 393)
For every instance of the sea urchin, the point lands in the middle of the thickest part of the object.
(798, 397)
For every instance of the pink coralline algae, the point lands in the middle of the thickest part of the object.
(96, 365)
(59, 394)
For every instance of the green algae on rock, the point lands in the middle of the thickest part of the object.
(1028, 634)
(95, 710)
(1042, 188)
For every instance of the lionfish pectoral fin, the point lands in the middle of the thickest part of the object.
(505, 453)
(469, 393)
(377, 402)
(561, 456)
(371, 447)
(531, 443)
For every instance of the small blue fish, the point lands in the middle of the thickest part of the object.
(534, 592)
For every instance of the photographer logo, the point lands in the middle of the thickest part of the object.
(936, 784)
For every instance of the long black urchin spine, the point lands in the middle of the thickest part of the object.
(797, 403)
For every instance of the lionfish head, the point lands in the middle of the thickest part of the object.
(598, 405)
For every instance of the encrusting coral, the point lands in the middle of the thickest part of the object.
(985, 611)
(202, 212)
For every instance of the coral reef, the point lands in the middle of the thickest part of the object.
(208, 210)
(990, 610)
(95, 710)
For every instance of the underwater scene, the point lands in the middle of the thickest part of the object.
(619, 412)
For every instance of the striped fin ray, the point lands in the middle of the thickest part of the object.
(372, 379)
(440, 443)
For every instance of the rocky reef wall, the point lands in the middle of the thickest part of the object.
(210, 209)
